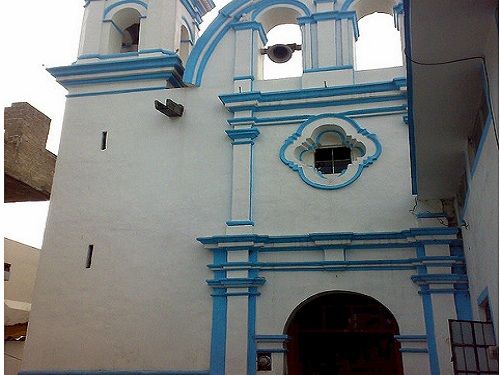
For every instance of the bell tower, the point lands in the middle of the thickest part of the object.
(121, 39)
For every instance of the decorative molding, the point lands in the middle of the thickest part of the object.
(411, 338)
(306, 139)
(411, 237)
(116, 92)
(204, 48)
(333, 15)
(109, 11)
(257, 101)
(167, 67)
(237, 282)
(239, 134)
(252, 25)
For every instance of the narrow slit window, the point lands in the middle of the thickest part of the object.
(332, 160)
(104, 141)
(89, 256)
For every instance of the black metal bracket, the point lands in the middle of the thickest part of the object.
(170, 108)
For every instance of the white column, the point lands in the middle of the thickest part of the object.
(242, 137)
(347, 40)
(327, 54)
(90, 37)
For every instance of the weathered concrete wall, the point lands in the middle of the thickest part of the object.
(29, 167)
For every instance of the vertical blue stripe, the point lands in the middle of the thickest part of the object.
(428, 317)
(461, 296)
(251, 344)
(252, 318)
(251, 184)
(219, 320)
(409, 74)
(429, 328)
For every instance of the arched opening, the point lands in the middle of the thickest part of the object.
(185, 45)
(342, 333)
(125, 31)
(288, 35)
(379, 43)
(281, 57)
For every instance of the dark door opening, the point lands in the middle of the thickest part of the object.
(342, 333)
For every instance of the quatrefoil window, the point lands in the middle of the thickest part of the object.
(330, 151)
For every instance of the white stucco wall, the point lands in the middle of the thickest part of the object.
(163, 182)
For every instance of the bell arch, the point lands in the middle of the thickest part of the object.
(341, 332)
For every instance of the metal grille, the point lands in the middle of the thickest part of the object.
(473, 347)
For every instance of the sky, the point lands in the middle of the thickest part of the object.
(47, 35)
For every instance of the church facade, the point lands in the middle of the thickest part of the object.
(205, 220)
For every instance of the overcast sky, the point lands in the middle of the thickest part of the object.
(47, 35)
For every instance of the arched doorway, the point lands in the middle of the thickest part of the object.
(342, 333)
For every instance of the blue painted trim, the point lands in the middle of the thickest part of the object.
(316, 104)
(241, 78)
(268, 3)
(328, 68)
(297, 119)
(238, 294)
(409, 75)
(396, 11)
(253, 100)
(166, 76)
(332, 15)
(252, 25)
(428, 317)
(193, 11)
(367, 161)
(438, 278)
(115, 92)
(270, 350)
(250, 205)
(413, 262)
(243, 143)
(351, 236)
(430, 215)
(219, 320)
(413, 350)
(429, 327)
(190, 30)
(113, 372)
(365, 246)
(206, 45)
(321, 92)
(117, 66)
(483, 297)
(236, 282)
(461, 295)
(271, 338)
(233, 223)
(239, 134)
(123, 2)
(125, 54)
(412, 338)
(251, 343)
(437, 291)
